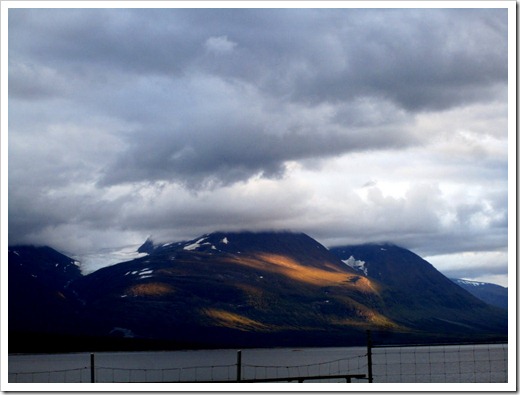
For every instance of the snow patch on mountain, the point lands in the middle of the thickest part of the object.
(143, 273)
(195, 245)
(468, 282)
(355, 264)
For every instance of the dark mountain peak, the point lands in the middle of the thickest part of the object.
(39, 295)
(44, 262)
(371, 248)
(380, 260)
(147, 247)
(400, 268)
(295, 244)
(300, 247)
(412, 287)
(263, 240)
(258, 238)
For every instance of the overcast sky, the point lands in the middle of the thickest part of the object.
(351, 125)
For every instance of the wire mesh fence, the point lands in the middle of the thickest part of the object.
(352, 365)
(481, 363)
(76, 375)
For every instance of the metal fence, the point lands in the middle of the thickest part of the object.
(448, 363)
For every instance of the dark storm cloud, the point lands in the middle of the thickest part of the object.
(408, 55)
(234, 151)
(421, 59)
(175, 122)
(407, 60)
(116, 40)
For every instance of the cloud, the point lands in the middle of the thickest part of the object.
(352, 125)
(419, 63)
(419, 58)
(240, 136)
(219, 45)
(470, 265)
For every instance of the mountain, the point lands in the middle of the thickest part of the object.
(48, 265)
(231, 289)
(418, 296)
(492, 294)
(246, 289)
(39, 298)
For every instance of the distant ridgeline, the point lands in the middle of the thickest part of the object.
(227, 290)
(492, 294)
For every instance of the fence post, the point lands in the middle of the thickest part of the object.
(239, 365)
(92, 369)
(369, 357)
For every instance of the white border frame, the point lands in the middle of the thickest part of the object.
(314, 387)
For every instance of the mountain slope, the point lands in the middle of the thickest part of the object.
(39, 300)
(262, 288)
(492, 294)
(419, 296)
(51, 266)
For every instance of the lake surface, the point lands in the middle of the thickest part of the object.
(442, 364)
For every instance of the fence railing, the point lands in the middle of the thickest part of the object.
(380, 364)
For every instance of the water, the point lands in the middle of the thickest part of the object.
(449, 364)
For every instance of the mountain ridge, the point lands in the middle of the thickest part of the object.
(235, 289)
(492, 294)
